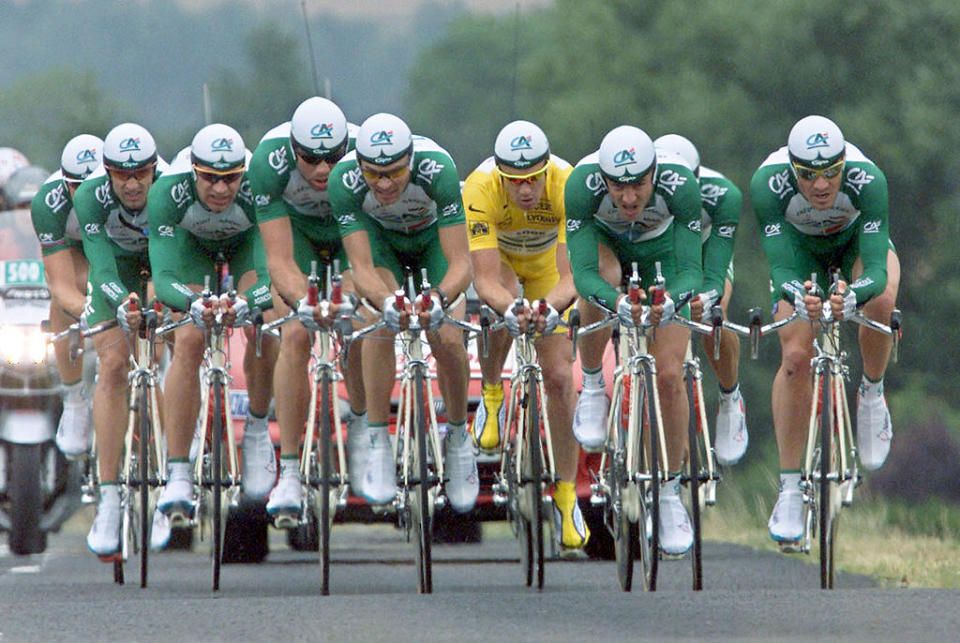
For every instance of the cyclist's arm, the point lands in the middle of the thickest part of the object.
(776, 237)
(259, 293)
(164, 248)
(365, 278)
(97, 246)
(277, 236)
(718, 248)
(562, 295)
(58, 270)
(456, 249)
(874, 241)
(486, 279)
(687, 247)
(580, 203)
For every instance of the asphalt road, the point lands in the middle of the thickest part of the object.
(66, 593)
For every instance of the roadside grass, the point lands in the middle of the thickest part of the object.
(899, 544)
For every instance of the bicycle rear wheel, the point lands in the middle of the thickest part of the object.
(650, 490)
(323, 523)
(144, 430)
(694, 435)
(531, 481)
(828, 485)
(420, 509)
(217, 486)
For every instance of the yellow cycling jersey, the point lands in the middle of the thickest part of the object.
(494, 221)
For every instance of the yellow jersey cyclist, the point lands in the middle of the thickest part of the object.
(201, 207)
(517, 228)
(65, 266)
(721, 201)
(111, 208)
(397, 201)
(628, 203)
(289, 175)
(821, 203)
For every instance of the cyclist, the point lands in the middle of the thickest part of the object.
(201, 207)
(397, 201)
(627, 203)
(514, 209)
(719, 214)
(65, 267)
(111, 207)
(288, 175)
(821, 203)
(11, 160)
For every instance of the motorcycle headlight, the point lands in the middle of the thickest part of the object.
(23, 345)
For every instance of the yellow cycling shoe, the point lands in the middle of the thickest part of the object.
(490, 417)
(568, 520)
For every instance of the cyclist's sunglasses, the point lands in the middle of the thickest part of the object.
(330, 158)
(125, 175)
(375, 175)
(810, 174)
(213, 176)
(520, 179)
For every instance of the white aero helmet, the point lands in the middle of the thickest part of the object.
(815, 141)
(218, 146)
(521, 144)
(81, 156)
(129, 146)
(21, 186)
(11, 160)
(626, 154)
(681, 146)
(383, 139)
(318, 128)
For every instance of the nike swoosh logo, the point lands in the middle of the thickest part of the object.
(473, 209)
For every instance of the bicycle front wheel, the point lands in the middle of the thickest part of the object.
(625, 532)
(144, 430)
(650, 468)
(217, 437)
(694, 436)
(531, 481)
(324, 427)
(420, 506)
(828, 486)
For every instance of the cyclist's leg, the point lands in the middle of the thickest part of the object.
(592, 405)
(491, 413)
(727, 368)
(874, 427)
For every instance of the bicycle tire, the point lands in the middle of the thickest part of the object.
(324, 427)
(693, 481)
(144, 431)
(828, 481)
(420, 505)
(626, 533)
(216, 444)
(531, 478)
(650, 555)
(518, 520)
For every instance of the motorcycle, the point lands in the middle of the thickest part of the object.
(39, 488)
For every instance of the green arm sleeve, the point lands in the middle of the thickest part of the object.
(718, 249)
(266, 183)
(97, 246)
(580, 204)
(874, 237)
(164, 246)
(685, 207)
(775, 236)
(346, 189)
(259, 294)
(446, 192)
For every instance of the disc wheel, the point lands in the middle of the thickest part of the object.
(828, 485)
(694, 436)
(326, 472)
(650, 498)
(420, 509)
(531, 481)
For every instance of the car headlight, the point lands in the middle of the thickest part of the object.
(23, 345)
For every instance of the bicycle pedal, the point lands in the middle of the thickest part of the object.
(794, 547)
(286, 521)
(115, 557)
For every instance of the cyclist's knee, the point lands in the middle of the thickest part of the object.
(796, 361)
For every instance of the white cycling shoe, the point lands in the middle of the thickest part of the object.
(732, 437)
(358, 442)
(160, 531)
(73, 431)
(460, 465)
(176, 497)
(259, 468)
(104, 536)
(379, 485)
(590, 418)
(786, 520)
(286, 496)
(874, 430)
(676, 531)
